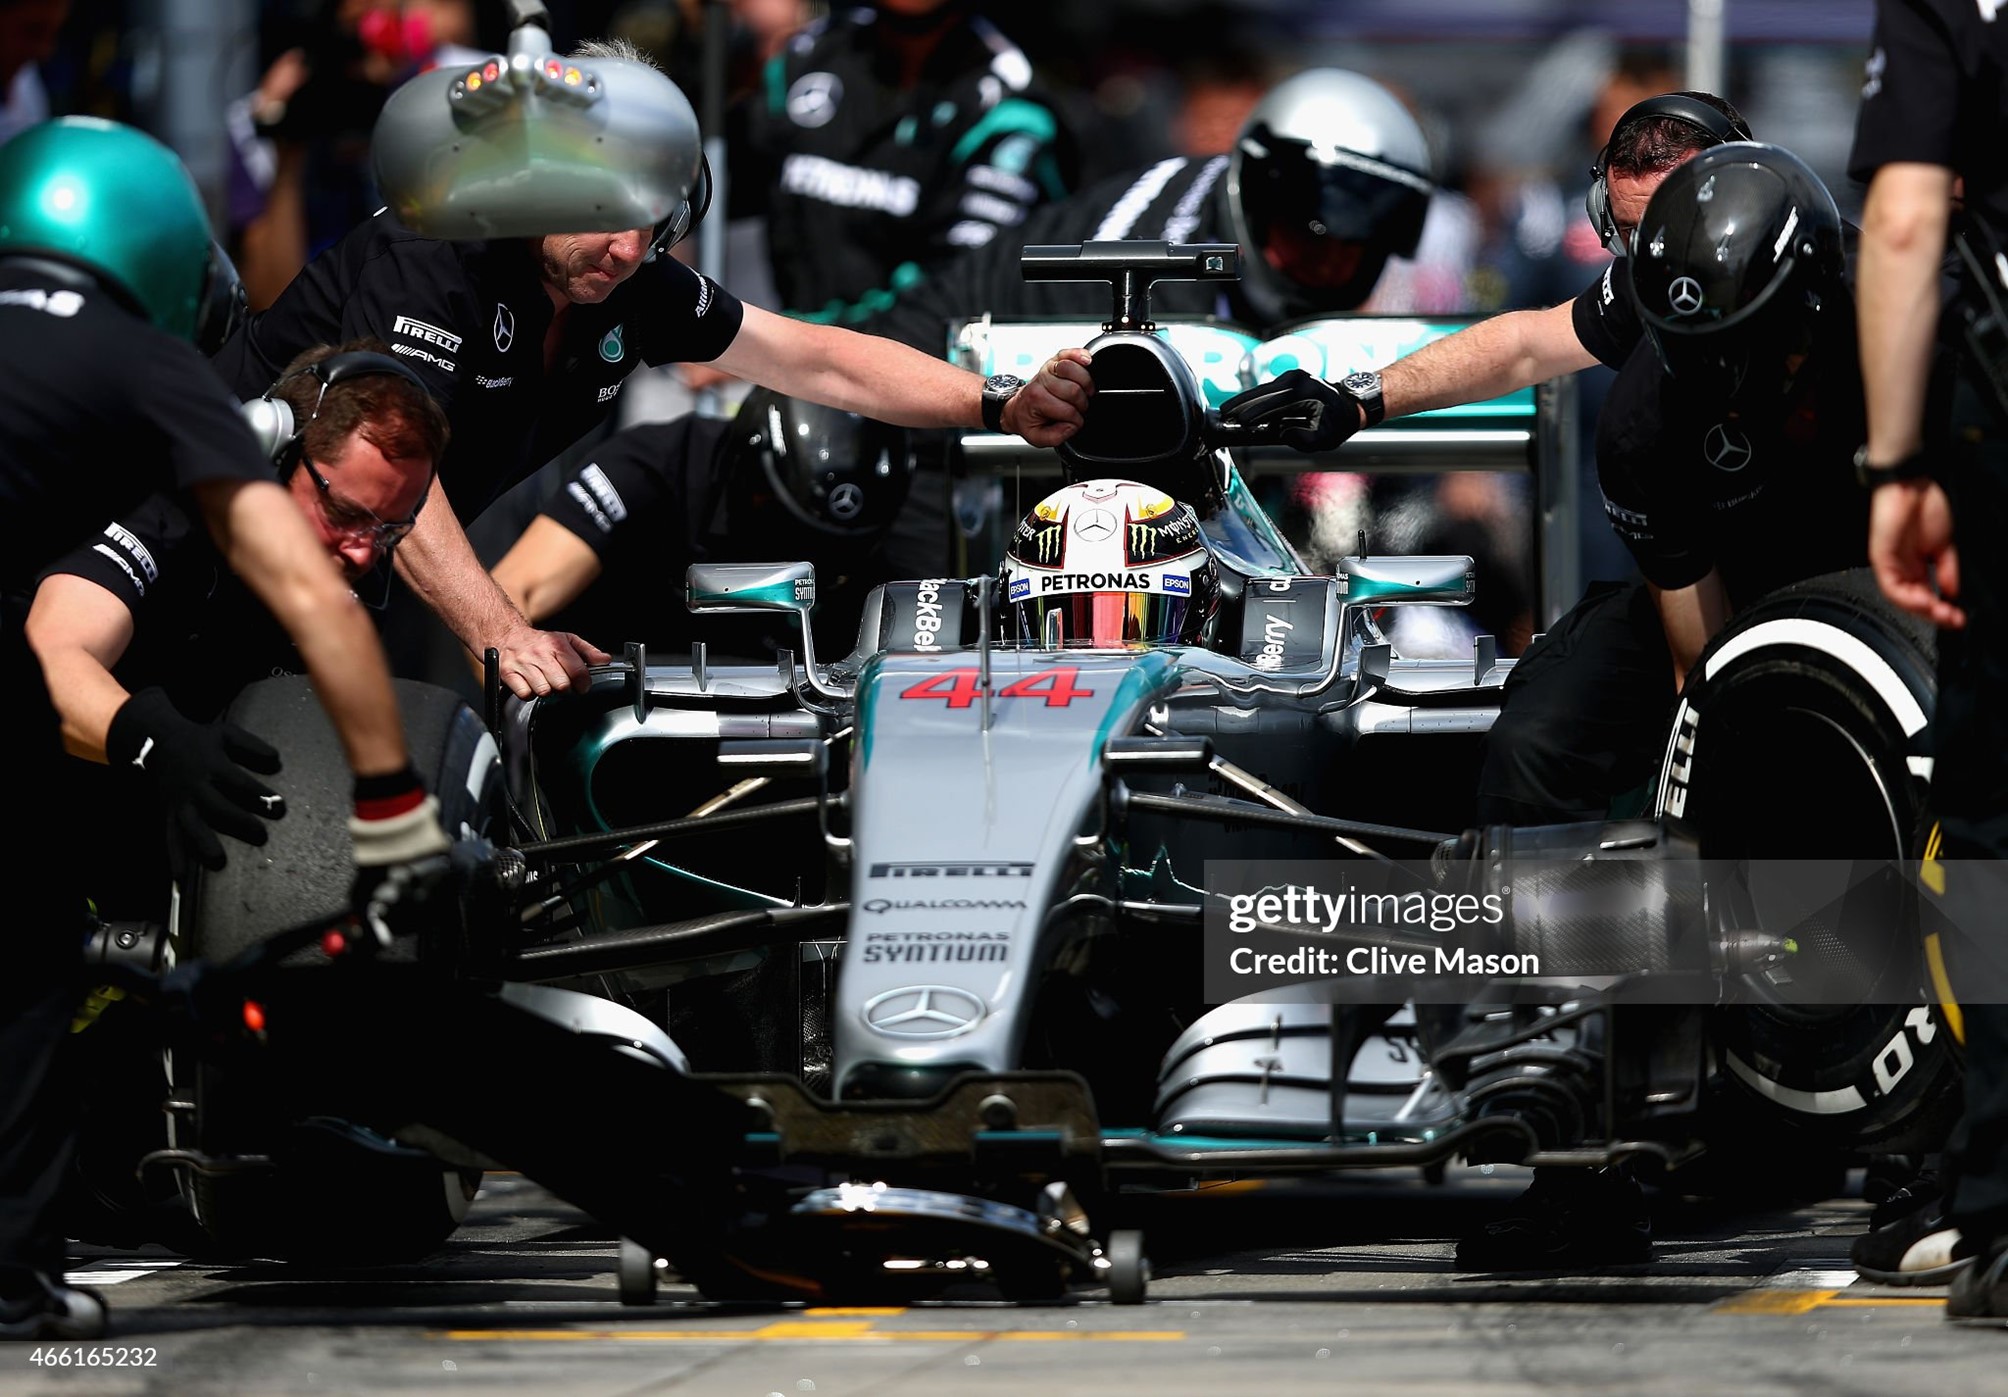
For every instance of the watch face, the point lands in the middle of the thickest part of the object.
(1003, 383)
(1362, 382)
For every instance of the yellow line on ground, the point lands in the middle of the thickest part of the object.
(794, 1331)
(1868, 1301)
(1773, 1302)
(836, 1311)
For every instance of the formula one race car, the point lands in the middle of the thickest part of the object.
(919, 931)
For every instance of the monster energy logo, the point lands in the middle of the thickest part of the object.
(1152, 542)
(1142, 539)
(1047, 541)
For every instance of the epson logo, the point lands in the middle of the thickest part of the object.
(927, 615)
(1096, 582)
(1275, 631)
(430, 334)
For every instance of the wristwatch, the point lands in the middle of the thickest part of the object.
(998, 389)
(1364, 388)
(1912, 467)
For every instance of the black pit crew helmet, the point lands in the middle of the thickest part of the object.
(1328, 179)
(1106, 564)
(812, 479)
(1738, 264)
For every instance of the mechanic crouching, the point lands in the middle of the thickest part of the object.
(781, 479)
(109, 279)
(146, 635)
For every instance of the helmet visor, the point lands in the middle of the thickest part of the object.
(1104, 620)
(1287, 187)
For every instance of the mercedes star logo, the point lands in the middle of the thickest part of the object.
(813, 99)
(505, 328)
(847, 501)
(1726, 448)
(924, 1011)
(1095, 525)
(1684, 296)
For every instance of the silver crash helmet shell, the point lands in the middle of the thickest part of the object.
(1329, 177)
(534, 144)
(1105, 564)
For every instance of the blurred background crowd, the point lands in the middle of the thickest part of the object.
(271, 104)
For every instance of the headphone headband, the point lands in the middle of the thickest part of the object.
(271, 419)
(1667, 106)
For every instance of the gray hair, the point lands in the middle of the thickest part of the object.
(614, 48)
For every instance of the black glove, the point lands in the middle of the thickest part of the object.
(199, 771)
(1298, 409)
(402, 871)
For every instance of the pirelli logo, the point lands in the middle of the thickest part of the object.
(134, 549)
(429, 334)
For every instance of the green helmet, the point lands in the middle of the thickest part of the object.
(117, 203)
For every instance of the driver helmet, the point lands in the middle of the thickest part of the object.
(814, 478)
(1738, 262)
(117, 206)
(1108, 563)
(1328, 179)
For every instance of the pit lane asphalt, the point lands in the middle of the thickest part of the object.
(1278, 1289)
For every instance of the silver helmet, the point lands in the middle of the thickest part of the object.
(1328, 179)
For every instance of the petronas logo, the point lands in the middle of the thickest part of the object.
(611, 349)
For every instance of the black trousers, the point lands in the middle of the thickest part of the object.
(1584, 713)
(41, 960)
(1970, 790)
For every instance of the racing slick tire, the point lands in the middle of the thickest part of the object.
(320, 1189)
(1801, 734)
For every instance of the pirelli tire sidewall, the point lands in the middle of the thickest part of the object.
(331, 1199)
(1831, 654)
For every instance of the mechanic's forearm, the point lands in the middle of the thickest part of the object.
(269, 543)
(1691, 616)
(439, 563)
(866, 374)
(1903, 240)
(78, 632)
(546, 569)
(85, 696)
(1485, 360)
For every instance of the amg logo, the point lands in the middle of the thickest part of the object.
(1096, 582)
(430, 334)
(411, 352)
(927, 615)
(593, 511)
(1275, 630)
(951, 870)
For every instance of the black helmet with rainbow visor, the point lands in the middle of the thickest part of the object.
(1105, 564)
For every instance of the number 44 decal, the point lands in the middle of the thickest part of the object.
(959, 688)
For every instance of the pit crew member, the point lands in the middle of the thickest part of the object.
(109, 276)
(527, 343)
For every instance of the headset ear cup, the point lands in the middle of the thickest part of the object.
(1597, 204)
(271, 422)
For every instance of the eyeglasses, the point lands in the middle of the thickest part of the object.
(351, 520)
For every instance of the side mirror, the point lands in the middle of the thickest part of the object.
(1440, 579)
(737, 589)
(740, 588)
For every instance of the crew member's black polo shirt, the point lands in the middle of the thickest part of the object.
(198, 631)
(1766, 494)
(1606, 316)
(471, 318)
(97, 409)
